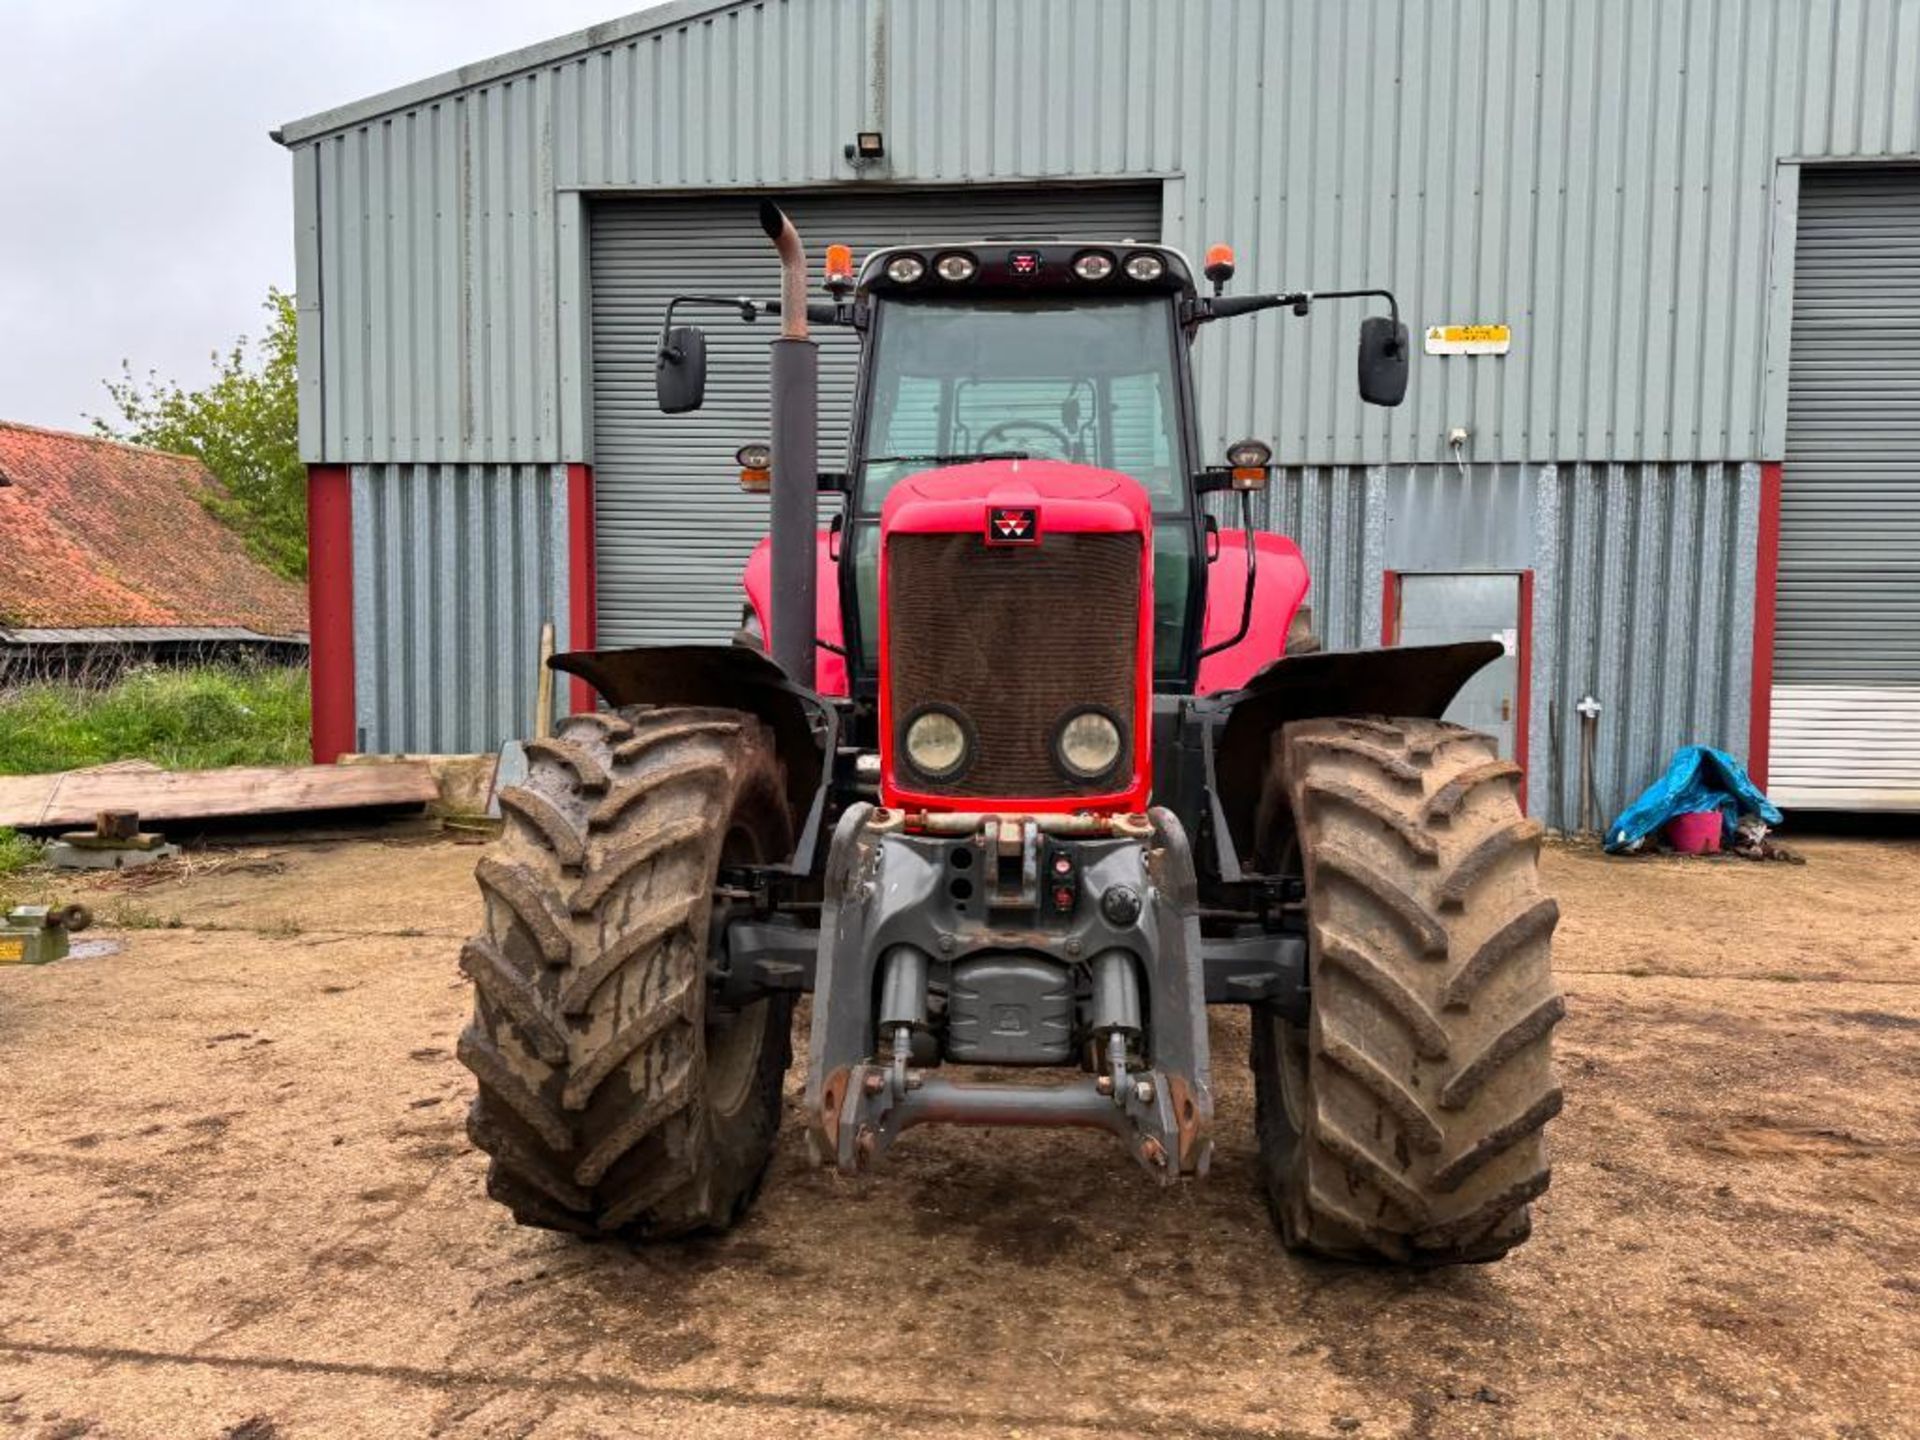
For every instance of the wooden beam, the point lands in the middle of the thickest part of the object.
(76, 796)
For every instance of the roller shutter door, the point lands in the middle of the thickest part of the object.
(673, 529)
(1846, 703)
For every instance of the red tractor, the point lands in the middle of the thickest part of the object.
(1016, 768)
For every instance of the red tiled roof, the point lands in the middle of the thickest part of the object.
(97, 533)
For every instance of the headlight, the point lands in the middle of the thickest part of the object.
(1089, 744)
(906, 269)
(1093, 265)
(1146, 267)
(1248, 454)
(936, 744)
(955, 267)
(754, 457)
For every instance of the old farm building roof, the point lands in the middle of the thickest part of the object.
(97, 536)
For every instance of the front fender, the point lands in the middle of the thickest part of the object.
(1412, 680)
(805, 725)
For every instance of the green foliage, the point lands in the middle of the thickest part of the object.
(17, 852)
(179, 719)
(244, 426)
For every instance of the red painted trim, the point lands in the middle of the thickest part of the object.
(1389, 607)
(583, 581)
(1766, 586)
(330, 610)
(1523, 684)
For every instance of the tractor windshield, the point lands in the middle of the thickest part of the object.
(1096, 382)
(1087, 381)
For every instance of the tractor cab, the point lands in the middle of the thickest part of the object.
(1004, 355)
(1076, 353)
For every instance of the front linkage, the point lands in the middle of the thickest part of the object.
(1011, 942)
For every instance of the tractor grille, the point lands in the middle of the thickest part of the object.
(1014, 639)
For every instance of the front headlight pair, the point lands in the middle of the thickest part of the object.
(1087, 744)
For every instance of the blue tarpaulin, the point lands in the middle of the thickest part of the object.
(1700, 778)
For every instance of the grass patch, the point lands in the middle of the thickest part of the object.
(17, 852)
(126, 915)
(194, 719)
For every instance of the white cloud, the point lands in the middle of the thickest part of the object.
(143, 210)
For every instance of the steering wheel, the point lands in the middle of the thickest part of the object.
(1041, 426)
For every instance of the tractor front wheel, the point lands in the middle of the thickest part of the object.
(1403, 1122)
(615, 1095)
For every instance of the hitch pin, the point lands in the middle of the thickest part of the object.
(902, 1051)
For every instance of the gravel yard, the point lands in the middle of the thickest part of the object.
(236, 1199)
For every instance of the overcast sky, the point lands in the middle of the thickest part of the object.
(143, 211)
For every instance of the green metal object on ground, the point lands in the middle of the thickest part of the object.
(37, 934)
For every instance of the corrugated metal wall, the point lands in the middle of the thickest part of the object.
(455, 569)
(1643, 584)
(1643, 600)
(1599, 174)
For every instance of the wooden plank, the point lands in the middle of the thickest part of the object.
(73, 798)
(23, 798)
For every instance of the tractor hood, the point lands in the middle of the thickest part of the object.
(1016, 622)
(1016, 502)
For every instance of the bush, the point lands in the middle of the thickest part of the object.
(17, 852)
(197, 719)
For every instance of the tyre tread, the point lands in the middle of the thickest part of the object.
(1426, 1061)
(588, 1039)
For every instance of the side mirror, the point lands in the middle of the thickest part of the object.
(1384, 359)
(680, 370)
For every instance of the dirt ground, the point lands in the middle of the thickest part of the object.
(236, 1199)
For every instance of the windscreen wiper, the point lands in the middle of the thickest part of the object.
(959, 458)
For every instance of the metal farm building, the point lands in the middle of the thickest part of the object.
(1688, 492)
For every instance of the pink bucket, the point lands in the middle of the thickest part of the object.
(1695, 834)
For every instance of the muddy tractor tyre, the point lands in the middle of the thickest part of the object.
(1404, 1122)
(614, 1098)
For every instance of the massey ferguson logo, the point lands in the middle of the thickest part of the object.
(1013, 525)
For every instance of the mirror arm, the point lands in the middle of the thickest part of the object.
(1393, 305)
(819, 312)
(745, 307)
(1226, 307)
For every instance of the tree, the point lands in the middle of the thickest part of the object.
(243, 426)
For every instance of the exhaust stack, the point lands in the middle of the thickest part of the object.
(796, 458)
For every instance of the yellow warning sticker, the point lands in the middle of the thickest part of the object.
(1469, 339)
(13, 949)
